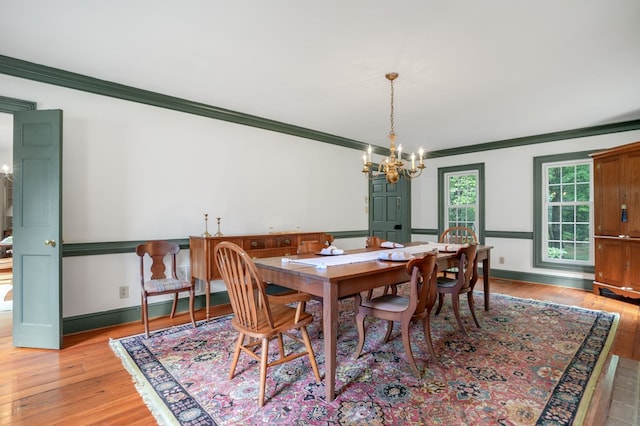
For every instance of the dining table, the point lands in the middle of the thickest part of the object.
(332, 277)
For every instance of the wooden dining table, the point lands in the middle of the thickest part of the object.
(331, 282)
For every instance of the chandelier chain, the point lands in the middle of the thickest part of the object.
(392, 96)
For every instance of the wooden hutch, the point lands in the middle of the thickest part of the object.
(203, 266)
(616, 192)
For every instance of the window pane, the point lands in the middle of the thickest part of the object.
(568, 193)
(554, 232)
(568, 232)
(568, 174)
(568, 213)
(554, 193)
(582, 214)
(553, 175)
(582, 251)
(582, 232)
(583, 173)
(554, 214)
(582, 192)
(553, 251)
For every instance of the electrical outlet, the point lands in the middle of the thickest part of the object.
(124, 292)
(501, 260)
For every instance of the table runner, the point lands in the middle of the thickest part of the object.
(367, 256)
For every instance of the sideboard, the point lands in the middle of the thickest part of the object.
(201, 249)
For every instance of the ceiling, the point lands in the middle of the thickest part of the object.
(470, 71)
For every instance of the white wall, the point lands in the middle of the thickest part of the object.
(132, 172)
(509, 197)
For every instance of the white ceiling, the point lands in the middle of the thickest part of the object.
(470, 71)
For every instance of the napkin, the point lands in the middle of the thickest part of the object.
(331, 250)
(398, 256)
(390, 244)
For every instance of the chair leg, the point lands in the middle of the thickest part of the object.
(426, 328)
(236, 355)
(389, 330)
(472, 308)
(361, 333)
(280, 345)
(263, 370)
(407, 347)
(312, 357)
(175, 304)
(192, 296)
(455, 299)
(440, 302)
(145, 315)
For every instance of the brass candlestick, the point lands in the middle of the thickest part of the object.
(206, 226)
(218, 234)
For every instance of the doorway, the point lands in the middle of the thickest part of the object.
(6, 219)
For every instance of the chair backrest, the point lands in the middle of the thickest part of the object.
(374, 242)
(158, 250)
(246, 290)
(467, 267)
(458, 235)
(424, 274)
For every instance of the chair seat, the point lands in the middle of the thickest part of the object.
(446, 282)
(283, 319)
(388, 302)
(165, 284)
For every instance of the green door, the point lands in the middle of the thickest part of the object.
(390, 209)
(37, 229)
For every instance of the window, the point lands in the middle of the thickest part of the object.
(564, 212)
(461, 198)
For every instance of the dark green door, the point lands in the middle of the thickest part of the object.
(37, 228)
(390, 209)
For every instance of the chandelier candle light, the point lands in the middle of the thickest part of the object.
(393, 166)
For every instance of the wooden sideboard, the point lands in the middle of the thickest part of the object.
(201, 249)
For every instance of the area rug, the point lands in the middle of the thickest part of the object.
(530, 363)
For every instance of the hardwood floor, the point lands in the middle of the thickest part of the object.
(85, 383)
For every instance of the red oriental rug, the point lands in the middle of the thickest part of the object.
(531, 363)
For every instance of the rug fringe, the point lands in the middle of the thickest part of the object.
(156, 406)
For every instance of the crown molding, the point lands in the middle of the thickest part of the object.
(45, 74)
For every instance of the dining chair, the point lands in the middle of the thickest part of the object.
(464, 282)
(397, 308)
(375, 242)
(154, 281)
(260, 317)
(457, 235)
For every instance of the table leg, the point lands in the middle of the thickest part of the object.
(207, 296)
(330, 331)
(486, 282)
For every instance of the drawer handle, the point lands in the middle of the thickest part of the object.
(287, 242)
(254, 244)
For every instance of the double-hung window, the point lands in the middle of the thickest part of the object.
(461, 198)
(564, 212)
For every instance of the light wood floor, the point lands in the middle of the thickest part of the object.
(85, 383)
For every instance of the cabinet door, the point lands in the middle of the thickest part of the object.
(610, 261)
(632, 194)
(633, 267)
(608, 186)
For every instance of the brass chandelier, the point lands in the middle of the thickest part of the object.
(393, 166)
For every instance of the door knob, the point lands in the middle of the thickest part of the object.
(51, 243)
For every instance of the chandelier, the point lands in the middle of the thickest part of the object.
(393, 166)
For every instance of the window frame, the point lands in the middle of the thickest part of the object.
(540, 165)
(477, 168)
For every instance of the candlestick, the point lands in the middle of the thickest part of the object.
(206, 226)
(218, 234)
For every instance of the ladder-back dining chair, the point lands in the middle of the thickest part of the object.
(260, 317)
(415, 307)
(154, 281)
